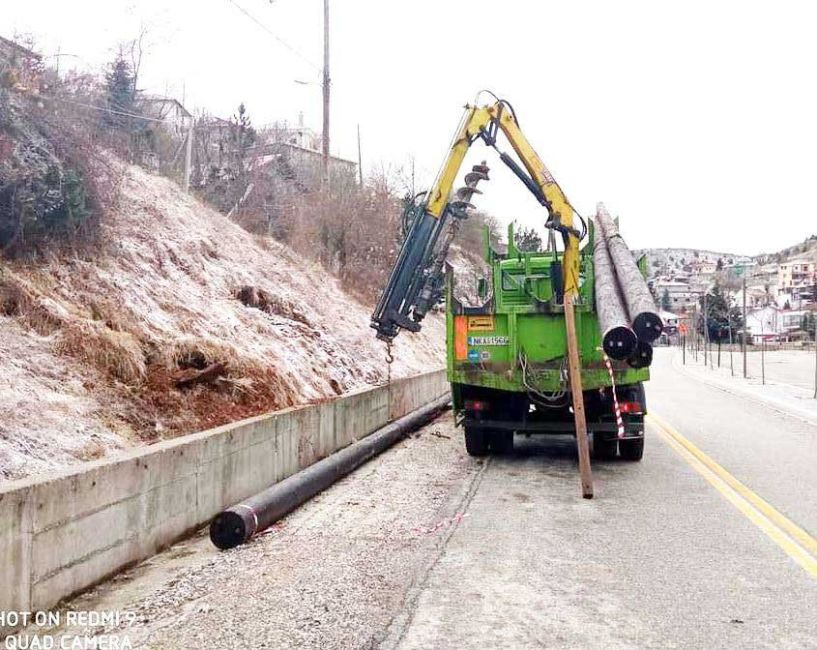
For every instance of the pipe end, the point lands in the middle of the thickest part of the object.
(619, 342)
(648, 326)
(228, 529)
(642, 357)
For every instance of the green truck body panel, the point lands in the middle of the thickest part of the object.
(522, 319)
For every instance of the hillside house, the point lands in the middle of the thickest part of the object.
(795, 274)
(176, 119)
(756, 297)
(681, 295)
(773, 323)
(19, 67)
(300, 135)
(307, 164)
(296, 153)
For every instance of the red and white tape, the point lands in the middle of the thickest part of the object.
(616, 408)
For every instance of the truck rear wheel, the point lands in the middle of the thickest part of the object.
(604, 448)
(476, 441)
(632, 449)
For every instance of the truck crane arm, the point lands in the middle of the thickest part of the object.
(414, 282)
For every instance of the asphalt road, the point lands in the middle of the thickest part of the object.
(425, 547)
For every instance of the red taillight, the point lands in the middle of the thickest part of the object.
(630, 407)
(476, 405)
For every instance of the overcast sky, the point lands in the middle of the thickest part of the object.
(694, 122)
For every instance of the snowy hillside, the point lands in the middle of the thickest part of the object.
(93, 346)
(671, 261)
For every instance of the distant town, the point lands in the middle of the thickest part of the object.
(780, 289)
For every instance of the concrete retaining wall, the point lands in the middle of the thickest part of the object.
(61, 535)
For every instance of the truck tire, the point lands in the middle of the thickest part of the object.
(604, 448)
(476, 442)
(632, 449)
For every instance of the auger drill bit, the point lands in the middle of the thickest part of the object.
(432, 289)
(463, 201)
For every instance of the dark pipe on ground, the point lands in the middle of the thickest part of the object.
(646, 322)
(618, 339)
(238, 524)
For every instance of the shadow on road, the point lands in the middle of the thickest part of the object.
(552, 452)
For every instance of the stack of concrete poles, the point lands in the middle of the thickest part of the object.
(628, 319)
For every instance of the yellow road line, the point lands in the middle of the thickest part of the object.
(795, 541)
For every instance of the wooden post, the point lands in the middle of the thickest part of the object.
(574, 368)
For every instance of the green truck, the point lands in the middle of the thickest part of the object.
(506, 359)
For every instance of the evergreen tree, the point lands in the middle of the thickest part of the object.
(242, 137)
(120, 91)
(666, 301)
(720, 315)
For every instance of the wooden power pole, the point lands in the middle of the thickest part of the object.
(325, 85)
(188, 154)
(574, 369)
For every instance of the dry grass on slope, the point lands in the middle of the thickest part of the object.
(175, 286)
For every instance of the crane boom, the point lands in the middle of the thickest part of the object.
(413, 283)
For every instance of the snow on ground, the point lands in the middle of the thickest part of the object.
(468, 269)
(51, 415)
(91, 340)
(790, 377)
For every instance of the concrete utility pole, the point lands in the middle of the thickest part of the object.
(326, 81)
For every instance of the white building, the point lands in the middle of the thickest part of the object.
(681, 295)
(176, 119)
(756, 297)
(795, 274)
(773, 324)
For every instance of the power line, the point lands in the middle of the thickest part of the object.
(104, 109)
(271, 33)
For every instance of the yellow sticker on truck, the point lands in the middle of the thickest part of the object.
(488, 340)
(481, 324)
